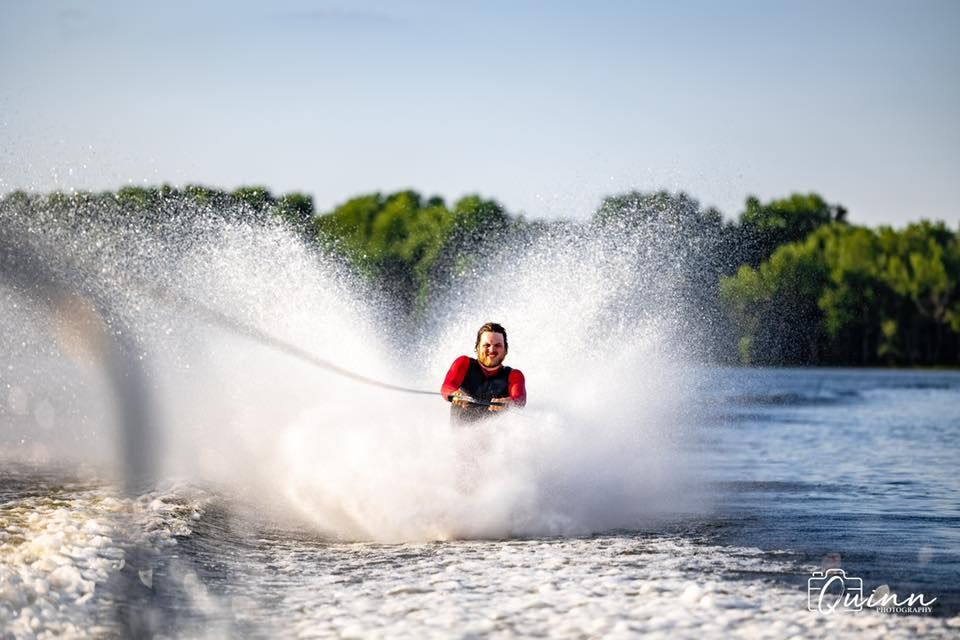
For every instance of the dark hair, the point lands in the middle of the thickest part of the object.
(492, 327)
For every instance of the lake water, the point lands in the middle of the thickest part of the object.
(792, 471)
(856, 465)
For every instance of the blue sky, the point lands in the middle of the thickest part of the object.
(545, 106)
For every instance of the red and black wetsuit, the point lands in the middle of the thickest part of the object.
(468, 376)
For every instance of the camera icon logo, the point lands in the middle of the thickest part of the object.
(833, 588)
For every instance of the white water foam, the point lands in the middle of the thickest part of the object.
(58, 554)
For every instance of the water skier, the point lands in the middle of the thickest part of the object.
(482, 386)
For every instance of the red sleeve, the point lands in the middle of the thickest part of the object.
(517, 386)
(455, 376)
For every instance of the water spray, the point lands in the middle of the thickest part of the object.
(27, 270)
(217, 308)
(225, 321)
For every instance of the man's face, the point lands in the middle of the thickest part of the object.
(491, 350)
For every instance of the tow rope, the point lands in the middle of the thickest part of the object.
(220, 319)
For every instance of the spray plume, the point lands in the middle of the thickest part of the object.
(593, 318)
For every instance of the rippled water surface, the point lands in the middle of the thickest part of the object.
(796, 470)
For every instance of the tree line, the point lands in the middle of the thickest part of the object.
(786, 282)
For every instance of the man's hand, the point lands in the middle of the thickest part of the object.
(460, 399)
(499, 404)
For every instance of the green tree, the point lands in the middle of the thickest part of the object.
(855, 300)
(257, 198)
(296, 209)
(476, 230)
(923, 268)
(743, 297)
(881, 296)
(776, 305)
(393, 240)
(765, 226)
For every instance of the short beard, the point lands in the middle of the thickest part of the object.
(500, 363)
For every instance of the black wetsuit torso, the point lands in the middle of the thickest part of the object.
(482, 388)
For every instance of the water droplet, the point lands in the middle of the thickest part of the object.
(18, 401)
